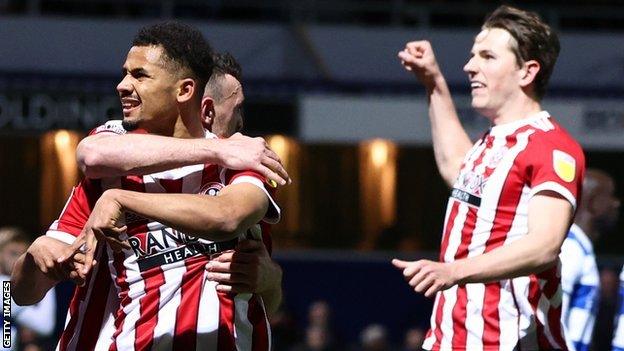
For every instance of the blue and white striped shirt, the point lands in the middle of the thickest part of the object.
(580, 282)
(618, 336)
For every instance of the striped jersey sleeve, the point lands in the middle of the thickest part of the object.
(618, 335)
(234, 177)
(76, 211)
(555, 163)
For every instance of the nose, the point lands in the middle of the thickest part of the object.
(124, 87)
(469, 67)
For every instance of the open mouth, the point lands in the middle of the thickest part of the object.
(129, 104)
(476, 85)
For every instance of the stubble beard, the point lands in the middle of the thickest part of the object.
(129, 125)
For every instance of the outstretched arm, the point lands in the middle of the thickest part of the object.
(109, 155)
(450, 141)
(550, 216)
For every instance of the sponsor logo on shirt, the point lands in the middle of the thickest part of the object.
(564, 165)
(167, 245)
(469, 187)
(466, 197)
(471, 182)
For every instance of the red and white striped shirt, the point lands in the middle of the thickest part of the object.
(488, 208)
(156, 296)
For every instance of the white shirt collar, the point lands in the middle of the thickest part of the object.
(510, 127)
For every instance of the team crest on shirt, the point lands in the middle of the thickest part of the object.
(564, 165)
(211, 189)
(497, 157)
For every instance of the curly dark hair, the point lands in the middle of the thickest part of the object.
(224, 63)
(535, 40)
(184, 47)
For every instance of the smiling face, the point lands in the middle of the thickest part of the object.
(148, 91)
(495, 77)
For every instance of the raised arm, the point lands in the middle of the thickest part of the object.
(549, 218)
(450, 141)
(109, 155)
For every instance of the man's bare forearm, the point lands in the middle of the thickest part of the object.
(522, 257)
(450, 141)
(28, 284)
(549, 220)
(210, 217)
(118, 155)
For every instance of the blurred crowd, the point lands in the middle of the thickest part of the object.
(318, 333)
(32, 327)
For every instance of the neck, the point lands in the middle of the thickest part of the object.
(188, 124)
(516, 109)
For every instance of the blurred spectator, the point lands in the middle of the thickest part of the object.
(316, 339)
(319, 314)
(319, 334)
(374, 338)
(283, 329)
(414, 338)
(603, 331)
(34, 321)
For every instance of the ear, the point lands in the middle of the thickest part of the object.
(528, 72)
(186, 90)
(207, 112)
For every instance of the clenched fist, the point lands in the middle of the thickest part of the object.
(418, 58)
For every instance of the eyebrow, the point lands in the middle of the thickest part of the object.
(134, 71)
(480, 52)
